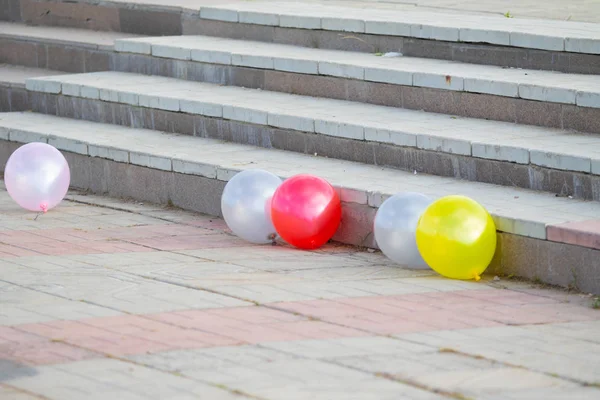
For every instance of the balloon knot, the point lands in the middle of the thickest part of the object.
(477, 278)
(44, 207)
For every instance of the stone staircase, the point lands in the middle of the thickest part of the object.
(506, 111)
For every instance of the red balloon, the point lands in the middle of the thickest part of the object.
(306, 211)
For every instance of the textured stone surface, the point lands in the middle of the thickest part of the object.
(439, 74)
(495, 29)
(584, 233)
(563, 183)
(145, 22)
(541, 164)
(10, 10)
(70, 14)
(168, 18)
(555, 263)
(14, 99)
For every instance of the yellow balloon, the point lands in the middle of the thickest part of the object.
(456, 237)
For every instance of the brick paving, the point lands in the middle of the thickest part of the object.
(104, 298)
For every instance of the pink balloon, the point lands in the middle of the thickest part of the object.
(37, 177)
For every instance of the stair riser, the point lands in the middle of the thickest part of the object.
(516, 255)
(473, 105)
(14, 99)
(101, 17)
(54, 56)
(151, 21)
(457, 51)
(578, 185)
(10, 10)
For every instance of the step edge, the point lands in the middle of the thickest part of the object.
(36, 37)
(38, 72)
(449, 32)
(543, 157)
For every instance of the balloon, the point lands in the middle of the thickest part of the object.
(37, 177)
(245, 205)
(306, 211)
(395, 228)
(457, 237)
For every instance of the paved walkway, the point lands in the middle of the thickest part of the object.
(127, 301)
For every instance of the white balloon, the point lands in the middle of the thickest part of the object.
(246, 205)
(37, 176)
(395, 228)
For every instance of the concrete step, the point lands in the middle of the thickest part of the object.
(546, 98)
(358, 26)
(57, 48)
(558, 161)
(13, 96)
(578, 37)
(526, 43)
(416, 83)
(541, 236)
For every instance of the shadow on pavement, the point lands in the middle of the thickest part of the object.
(10, 370)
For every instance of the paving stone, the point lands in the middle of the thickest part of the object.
(472, 343)
(99, 378)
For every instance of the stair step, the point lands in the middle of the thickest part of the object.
(15, 76)
(469, 90)
(526, 156)
(154, 166)
(516, 210)
(13, 96)
(547, 86)
(57, 48)
(578, 37)
(423, 32)
(61, 35)
(461, 36)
